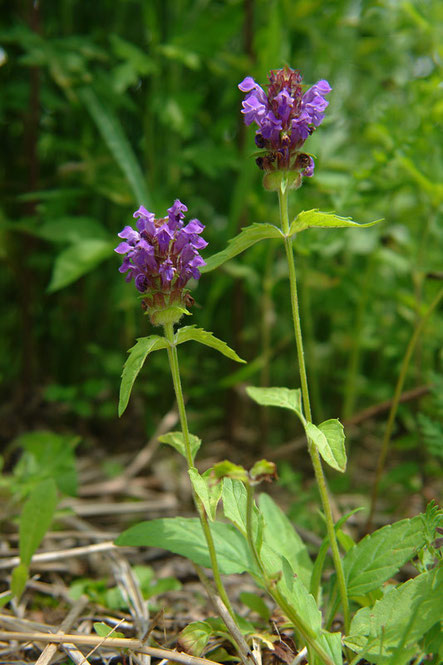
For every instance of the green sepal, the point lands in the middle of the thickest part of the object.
(326, 220)
(208, 339)
(247, 237)
(263, 470)
(137, 356)
(207, 489)
(176, 440)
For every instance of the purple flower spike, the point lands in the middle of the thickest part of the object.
(162, 256)
(285, 117)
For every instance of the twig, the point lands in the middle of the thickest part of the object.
(108, 643)
(50, 650)
(43, 557)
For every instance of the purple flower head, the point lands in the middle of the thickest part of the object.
(285, 116)
(162, 255)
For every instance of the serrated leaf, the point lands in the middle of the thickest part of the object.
(208, 339)
(36, 518)
(282, 397)
(245, 239)
(327, 220)
(378, 556)
(389, 631)
(176, 440)
(77, 260)
(280, 535)
(334, 432)
(185, 536)
(137, 356)
(112, 133)
(208, 492)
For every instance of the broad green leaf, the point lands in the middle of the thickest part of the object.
(256, 604)
(137, 356)
(280, 535)
(245, 239)
(335, 436)
(283, 397)
(71, 229)
(19, 578)
(185, 536)
(327, 220)
(378, 556)
(36, 517)
(112, 133)
(304, 603)
(389, 631)
(207, 338)
(175, 439)
(325, 447)
(208, 492)
(194, 638)
(234, 505)
(77, 260)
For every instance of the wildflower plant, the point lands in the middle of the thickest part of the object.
(162, 256)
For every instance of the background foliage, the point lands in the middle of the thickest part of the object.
(107, 105)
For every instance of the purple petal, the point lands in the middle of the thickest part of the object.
(247, 84)
(123, 247)
(164, 236)
(285, 103)
(309, 170)
(129, 234)
(141, 282)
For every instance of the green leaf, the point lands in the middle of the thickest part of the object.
(208, 492)
(227, 469)
(77, 260)
(245, 239)
(103, 630)
(263, 470)
(185, 536)
(256, 604)
(137, 356)
(329, 438)
(389, 631)
(71, 229)
(36, 517)
(207, 338)
(19, 578)
(283, 397)
(175, 439)
(327, 220)
(280, 535)
(194, 638)
(111, 131)
(234, 505)
(378, 556)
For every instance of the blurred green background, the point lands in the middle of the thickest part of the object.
(108, 105)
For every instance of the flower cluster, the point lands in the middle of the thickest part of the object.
(162, 256)
(286, 117)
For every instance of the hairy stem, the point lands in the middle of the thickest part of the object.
(315, 457)
(395, 402)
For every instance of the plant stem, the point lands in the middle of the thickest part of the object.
(395, 402)
(306, 632)
(315, 457)
(175, 372)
